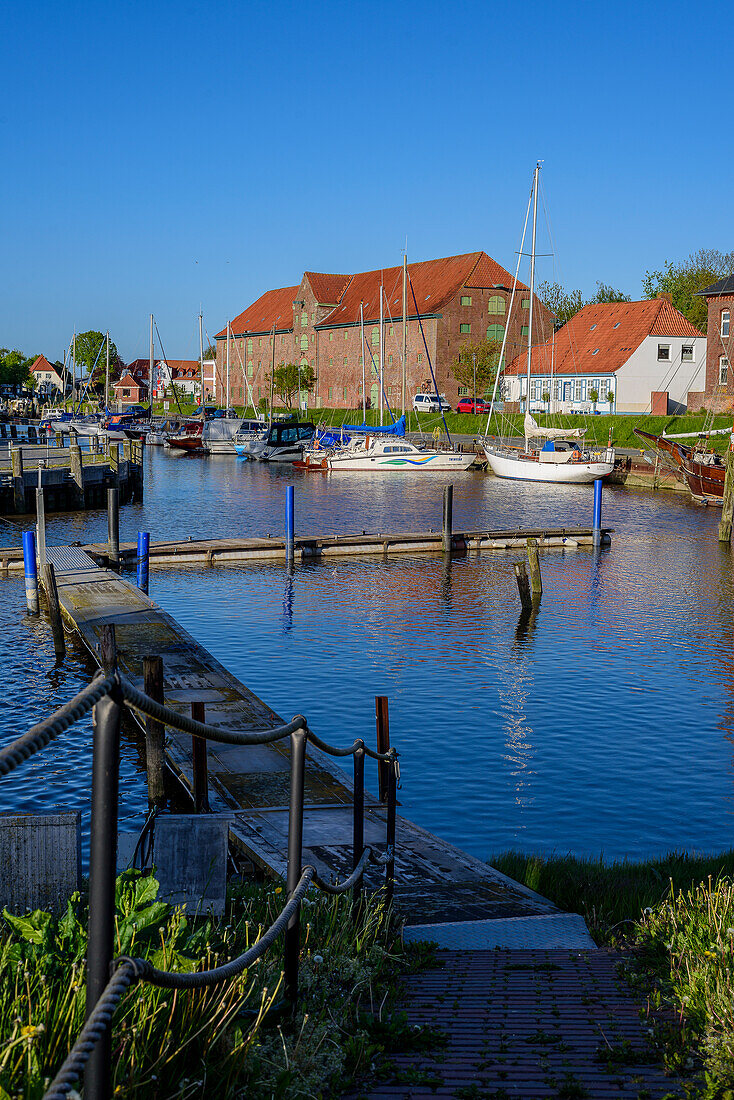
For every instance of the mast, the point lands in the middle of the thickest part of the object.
(364, 384)
(229, 331)
(201, 361)
(382, 354)
(151, 361)
(272, 378)
(107, 372)
(532, 290)
(73, 368)
(405, 321)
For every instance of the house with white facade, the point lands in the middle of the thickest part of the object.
(47, 376)
(622, 357)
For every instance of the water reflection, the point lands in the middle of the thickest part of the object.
(600, 721)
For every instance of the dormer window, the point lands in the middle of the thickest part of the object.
(617, 324)
(592, 329)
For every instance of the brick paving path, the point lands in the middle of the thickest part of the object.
(527, 1025)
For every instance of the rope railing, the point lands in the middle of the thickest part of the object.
(108, 695)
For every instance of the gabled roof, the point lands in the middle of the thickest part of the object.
(274, 307)
(42, 363)
(602, 337)
(434, 283)
(126, 380)
(724, 286)
(327, 289)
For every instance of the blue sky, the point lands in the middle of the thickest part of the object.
(161, 156)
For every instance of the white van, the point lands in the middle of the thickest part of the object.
(428, 402)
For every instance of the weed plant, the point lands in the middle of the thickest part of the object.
(230, 1040)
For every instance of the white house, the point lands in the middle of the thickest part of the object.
(47, 376)
(646, 355)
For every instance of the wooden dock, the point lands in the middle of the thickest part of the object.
(71, 478)
(231, 551)
(436, 883)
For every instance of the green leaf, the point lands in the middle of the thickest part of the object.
(32, 928)
(146, 890)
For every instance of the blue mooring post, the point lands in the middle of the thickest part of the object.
(31, 572)
(597, 511)
(143, 559)
(290, 546)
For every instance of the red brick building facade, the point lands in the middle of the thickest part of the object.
(719, 393)
(450, 302)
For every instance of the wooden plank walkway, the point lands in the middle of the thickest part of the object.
(229, 551)
(435, 882)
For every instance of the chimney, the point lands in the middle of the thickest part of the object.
(666, 296)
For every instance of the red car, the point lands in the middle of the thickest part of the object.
(469, 405)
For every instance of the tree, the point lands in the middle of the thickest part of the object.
(593, 396)
(15, 367)
(606, 293)
(562, 303)
(210, 352)
(486, 354)
(289, 378)
(88, 346)
(683, 280)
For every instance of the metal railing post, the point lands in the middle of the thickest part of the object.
(295, 848)
(143, 559)
(201, 776)
(358, 827)
(102, 873)
(390, 838)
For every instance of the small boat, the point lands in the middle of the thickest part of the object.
(325, 442)
(86, 425)
(248, 438)
(703, 472)
(221, 431)
(561, 460)
(189, 438)
(284, 442)
(161, 430)
(396, 456)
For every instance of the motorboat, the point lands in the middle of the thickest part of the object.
(284, 442)
(249, 437)
(161, 430)
(397, 456)
(189, 438)
(221, 431)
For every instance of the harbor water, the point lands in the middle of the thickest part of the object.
(603, 725)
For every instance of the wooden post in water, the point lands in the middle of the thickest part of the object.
(54, 610)
(154, 734)
(113, 527)
(198, 744)
(113, 457)
(727, 511)
(523, 585)
(77, 472)
(59, 439)
(448, 513)
(16, 463)
(536, 581)
(108, 647)
(382, 722)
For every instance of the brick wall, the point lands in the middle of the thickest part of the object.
(715, 348)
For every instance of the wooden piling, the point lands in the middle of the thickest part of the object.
(54, 610)
(113, 526)
(107, 647)
(113, 457)
(448, 511)
(382, 723)
(154, 734)
(13, 431)
(523, 585)
(77, 472)
(59, 439)
(536, 581)
(727, 510)
(16, 463)
(32, 437)
(198, 744)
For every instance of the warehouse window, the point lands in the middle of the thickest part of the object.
(466, 299)
(496, 305)
(496, 332)
(524, 330)
(725, 322)
(304, 342)
(723, 370)
(526, 303)
(304, 319)
(375, 337)
(464, 328)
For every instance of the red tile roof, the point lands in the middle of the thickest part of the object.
(274, 307)
(327, 288)
(127, 381)
(434, 282)
(601, 337)
(42, 363)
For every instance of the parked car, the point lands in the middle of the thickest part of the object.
(428, 402)
(470, 405)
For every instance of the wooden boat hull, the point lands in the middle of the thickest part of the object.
(189, 444)
(705, 481)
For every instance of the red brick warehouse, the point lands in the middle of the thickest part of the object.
(460, 299)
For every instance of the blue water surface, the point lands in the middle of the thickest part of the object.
(602, 725)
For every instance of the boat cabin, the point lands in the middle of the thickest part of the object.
(288, 432)
(561, 450)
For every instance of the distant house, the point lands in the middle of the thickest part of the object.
(130, 390)
(47, 376)
(719, 385)
(646, 355)
(185, 373)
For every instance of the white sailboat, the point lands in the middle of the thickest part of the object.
(561, 460)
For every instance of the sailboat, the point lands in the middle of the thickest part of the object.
(704, 472)
(561, 460)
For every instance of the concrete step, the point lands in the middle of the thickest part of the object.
(554, 930)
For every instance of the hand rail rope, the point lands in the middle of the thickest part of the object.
(129, 970)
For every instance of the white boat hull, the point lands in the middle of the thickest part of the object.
(519, 468)
(427, 461)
